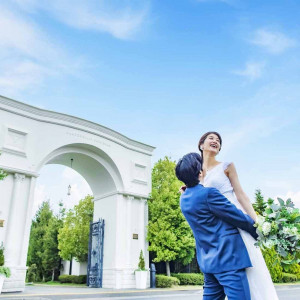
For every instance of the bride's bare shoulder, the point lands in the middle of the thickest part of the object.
(228, 166)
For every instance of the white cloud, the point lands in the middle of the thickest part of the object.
(78, 192)
(79, 187)
(122, 20)
(277, 184)
(19, 35)
(272, 41)
(28, 55)
(53, 183)
(252, 70)
(246, 131)
(273, 108)
(39, 196)
(22, 74)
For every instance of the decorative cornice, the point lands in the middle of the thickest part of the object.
(19, 177)
(52, 117)
(13, 151)
(124, 193)
(19, 171)
(140, 181)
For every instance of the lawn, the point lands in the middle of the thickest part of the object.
(57, 283)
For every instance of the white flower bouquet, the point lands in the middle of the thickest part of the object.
(279, 227)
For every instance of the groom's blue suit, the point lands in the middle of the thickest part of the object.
(221, 252)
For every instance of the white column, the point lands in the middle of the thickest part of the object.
(13, 223)
(142, 238)
(145, 232)
(128, 231)
(28, 221)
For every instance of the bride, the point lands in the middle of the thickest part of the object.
(223, 176)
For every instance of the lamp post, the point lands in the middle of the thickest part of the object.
(69, 187)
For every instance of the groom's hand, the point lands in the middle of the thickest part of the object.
(182, 189)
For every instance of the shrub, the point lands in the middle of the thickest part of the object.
(141, 265)
(72, 279)
(163, 281)
(292, 269)
(80, 279)
(287, 277)
(31, 273)
(5, 271)
(66, 278)
(190, 278)
(273, 263)
(1, 255)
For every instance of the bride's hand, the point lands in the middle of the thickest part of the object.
(182, 189)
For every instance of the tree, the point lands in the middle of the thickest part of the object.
(141, 265)
(50, 256)
(73, 237)
(169, 234)
(37, 245)
(259, 205)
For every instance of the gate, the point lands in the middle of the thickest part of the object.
(95, 255)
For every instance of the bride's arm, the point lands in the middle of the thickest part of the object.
(240, 194)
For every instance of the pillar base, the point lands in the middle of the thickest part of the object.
(16, 282)
(120, 278)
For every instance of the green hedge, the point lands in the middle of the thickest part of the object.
(66, 278)
(72, 279)
(292, 269)
(1, 255)
(273, 263)
(163, 281)
(190, 278)
(80, 279)
(287, 277)
(31, 273)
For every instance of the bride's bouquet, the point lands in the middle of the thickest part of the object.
(279, 227)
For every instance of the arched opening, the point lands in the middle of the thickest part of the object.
(52, 184)
(92, 163)
(99, 173)
(52, 202)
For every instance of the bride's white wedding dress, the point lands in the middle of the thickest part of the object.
(260, 282)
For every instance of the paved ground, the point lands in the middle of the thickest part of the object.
(285, 292)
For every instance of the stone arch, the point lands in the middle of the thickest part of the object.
(118, 170)
(91, 163)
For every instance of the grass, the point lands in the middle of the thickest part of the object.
(57, 283)
(180, 287)
(287, 283)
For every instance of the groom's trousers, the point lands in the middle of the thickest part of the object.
(233, 284)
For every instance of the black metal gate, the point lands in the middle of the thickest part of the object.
(95, 256)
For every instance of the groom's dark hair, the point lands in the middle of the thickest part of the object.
(188, 169)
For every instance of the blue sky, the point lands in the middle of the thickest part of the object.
(165, 72)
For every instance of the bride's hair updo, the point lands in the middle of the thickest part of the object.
(204, 136)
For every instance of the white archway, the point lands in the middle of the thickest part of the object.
(92, 163)
(117, 169)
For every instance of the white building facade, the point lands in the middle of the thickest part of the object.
(117, 169)
(78, 268)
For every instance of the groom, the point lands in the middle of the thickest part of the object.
(221, 253)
